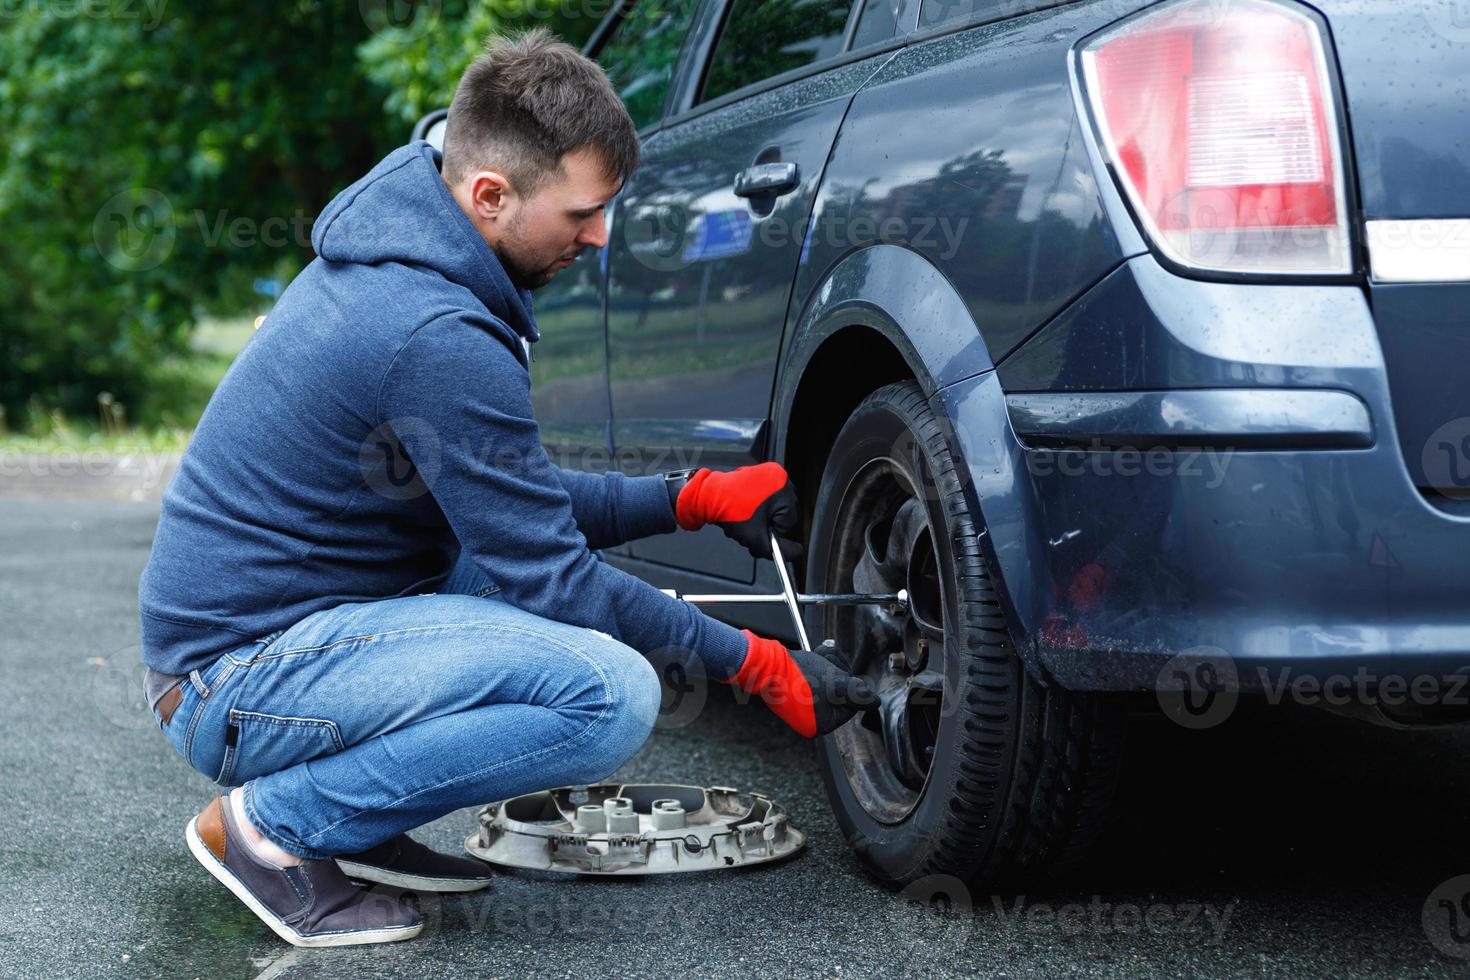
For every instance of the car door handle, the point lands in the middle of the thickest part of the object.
(766, 178)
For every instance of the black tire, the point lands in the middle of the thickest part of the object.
(1021, 774)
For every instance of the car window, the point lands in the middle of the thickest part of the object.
(639, 57)
(878, 21)
(936, 12)
(762, 38)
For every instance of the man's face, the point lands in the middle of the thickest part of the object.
(538, 236)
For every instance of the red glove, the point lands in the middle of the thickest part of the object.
(747, 503)
(806, 690)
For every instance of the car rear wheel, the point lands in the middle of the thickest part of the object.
(969, 767)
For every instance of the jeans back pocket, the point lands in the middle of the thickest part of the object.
(258, 744)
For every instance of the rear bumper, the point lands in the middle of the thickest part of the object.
(1269, 520)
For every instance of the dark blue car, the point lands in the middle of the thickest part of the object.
(1130, 338)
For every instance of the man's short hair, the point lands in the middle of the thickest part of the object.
(527, 102)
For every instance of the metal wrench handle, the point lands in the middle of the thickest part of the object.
(899, 598)
(791, 603)
(794, 600)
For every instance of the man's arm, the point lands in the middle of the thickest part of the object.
(747, 503)
(460, 402)
(611, 508)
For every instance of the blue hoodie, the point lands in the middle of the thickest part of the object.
(379, 420)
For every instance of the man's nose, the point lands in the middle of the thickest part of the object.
(594, 233)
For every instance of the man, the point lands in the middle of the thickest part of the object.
(371, 599)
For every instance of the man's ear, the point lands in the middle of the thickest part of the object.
(489, 193)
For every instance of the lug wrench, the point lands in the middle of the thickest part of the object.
(794, 600)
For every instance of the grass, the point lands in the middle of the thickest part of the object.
(659, 347)
(132, 441)
(184, 384)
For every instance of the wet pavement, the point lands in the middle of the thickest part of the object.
(1285, 842)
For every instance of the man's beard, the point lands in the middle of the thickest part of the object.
(521, 273)
(525, 272)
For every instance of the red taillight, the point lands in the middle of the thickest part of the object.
(1219, 119)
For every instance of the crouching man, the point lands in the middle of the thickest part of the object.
(372, 599)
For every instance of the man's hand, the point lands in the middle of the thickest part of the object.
(747, 503)
(808, 690)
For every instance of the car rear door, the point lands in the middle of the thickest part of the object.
(638, 49)
(712, 228)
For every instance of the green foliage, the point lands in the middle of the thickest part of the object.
(418, 65)
(419, 61)
(763, 38)
(639, 59)
(160, 157)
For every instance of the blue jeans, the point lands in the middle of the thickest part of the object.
(371, 718)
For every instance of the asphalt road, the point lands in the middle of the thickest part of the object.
(1284, 843)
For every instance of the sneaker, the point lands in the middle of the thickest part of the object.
(311, 904)
(405, 863)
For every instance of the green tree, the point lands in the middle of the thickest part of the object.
(418, 63)
(160, 157)
(132, 146)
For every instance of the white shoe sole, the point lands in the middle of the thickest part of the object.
(279, 926)
(382, 876)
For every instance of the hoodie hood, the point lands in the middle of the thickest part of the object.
(402, 211)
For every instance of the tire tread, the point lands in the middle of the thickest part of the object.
(1036, 765)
